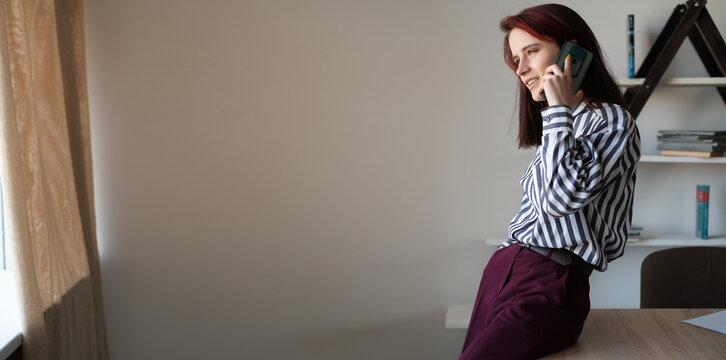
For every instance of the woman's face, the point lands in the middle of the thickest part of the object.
(531, 56)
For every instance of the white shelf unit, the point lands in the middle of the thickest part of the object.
(667, 241)
(673, 241)
(680, 81)
(685, 82)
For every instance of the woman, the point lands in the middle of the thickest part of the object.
(578, 193)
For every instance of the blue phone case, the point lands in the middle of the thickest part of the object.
(581, 59)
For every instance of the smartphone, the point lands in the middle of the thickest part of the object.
(581, 59)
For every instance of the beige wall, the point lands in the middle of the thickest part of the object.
(314, 179)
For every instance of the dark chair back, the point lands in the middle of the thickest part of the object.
(687, 277)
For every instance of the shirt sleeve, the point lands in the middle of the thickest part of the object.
(574, 170)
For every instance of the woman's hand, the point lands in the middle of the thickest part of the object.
(557, 85)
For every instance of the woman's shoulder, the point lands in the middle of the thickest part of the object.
(610, 112)
(608, 109)
(603, 117)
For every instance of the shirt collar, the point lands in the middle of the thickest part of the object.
(580, 107)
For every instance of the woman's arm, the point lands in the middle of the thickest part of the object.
(573, 171)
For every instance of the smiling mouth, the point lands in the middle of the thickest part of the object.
(531, 82)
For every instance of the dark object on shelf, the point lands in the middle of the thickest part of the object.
(686, 277)
(690, 19)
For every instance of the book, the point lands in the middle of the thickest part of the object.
(690, 153)
(687, 140)
(634, 233)
(712, 147)
(712, 142)
(700, 134)
(631, 45)
(702, 195)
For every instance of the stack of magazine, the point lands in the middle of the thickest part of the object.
(704, 144)
(634, 234)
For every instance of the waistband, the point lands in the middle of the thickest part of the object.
(562, 257)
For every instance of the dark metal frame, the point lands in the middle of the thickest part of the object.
(690, 19)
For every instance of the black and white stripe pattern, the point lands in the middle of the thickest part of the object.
(578, 190)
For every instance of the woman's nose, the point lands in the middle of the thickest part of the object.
(522, 68)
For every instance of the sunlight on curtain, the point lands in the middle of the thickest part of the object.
(47, 178)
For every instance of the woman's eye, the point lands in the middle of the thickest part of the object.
(531, 51)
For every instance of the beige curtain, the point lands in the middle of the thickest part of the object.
(47, 178)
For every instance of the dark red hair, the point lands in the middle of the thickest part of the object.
(557, 23)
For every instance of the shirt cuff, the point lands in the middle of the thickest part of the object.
(556, 118)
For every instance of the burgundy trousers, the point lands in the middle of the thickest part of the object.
(527, 306)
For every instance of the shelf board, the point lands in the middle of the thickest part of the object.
(457, 316)
(681, 159)
(679, 241)
(680, 81)
(655, 241)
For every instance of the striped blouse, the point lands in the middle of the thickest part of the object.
(578, 190)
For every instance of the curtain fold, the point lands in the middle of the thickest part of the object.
(47, 178)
